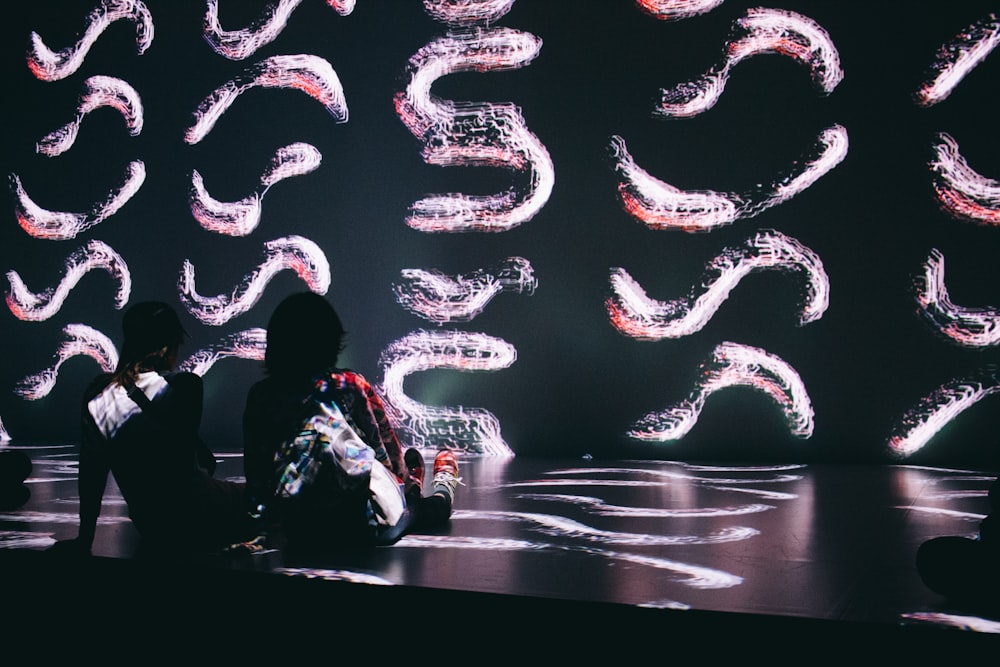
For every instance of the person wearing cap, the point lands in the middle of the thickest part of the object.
(140, 423)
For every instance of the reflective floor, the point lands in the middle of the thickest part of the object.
(828, 542)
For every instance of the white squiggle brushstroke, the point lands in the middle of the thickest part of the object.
(659, 205)
(474, 134)
(602, 508)
(936, 410)
(634, 314)
(760, 31)
(968, 327)
(49, 65)
(760, 493)
(248, 344)
(963, 622)
(696, 576)
(81, 340)
(242, 217)
(962, 192)
(439, 298)
(725, 468)
(465, 12)
(333, 575)
(733, 365)
(956, 58)
(472, 429)
(311, 74)
(293, 253)
(674, 10)
(17, 539)
(98, 92)
(676, 475)
(28, 306)
(61, 226)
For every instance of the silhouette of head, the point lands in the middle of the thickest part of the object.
(152, 335)
(304, 336)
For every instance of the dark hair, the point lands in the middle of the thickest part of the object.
(304, 336)
(152, 335)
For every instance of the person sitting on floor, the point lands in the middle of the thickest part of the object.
(305, 337)
(140, 423)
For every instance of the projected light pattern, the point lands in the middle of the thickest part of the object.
(308, 73)
(674, 10)
(49, 65)
(602, 508)
(760, 31)
(634, 314)
(289, 253)
(936, 410)
(81, 340)
(249, 344)
(962, 192)
(461, 12)
(98, 92)
(244, 42)
(659, 205)
(61, 226)
(733, 365)
(29, 306)
(968, 327)
(439, 298)
(956, 58)
(474, 134)
(242, 217)
(470, 429)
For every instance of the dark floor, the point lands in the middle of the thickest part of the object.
(688, 549)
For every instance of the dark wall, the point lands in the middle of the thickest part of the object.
(578, 384)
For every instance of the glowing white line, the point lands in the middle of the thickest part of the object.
(81, 340)
(439, 298)
(14, 539)
(30, 516)
(941, 511)
(732, 365)
(472, 429)
(962, 192)
(934, 411)
(59, 226)
(464, 12)
(99, 91)
(964, 622)
(49, 65)
(293, 253)
(969, 327)
(956, 58)
(310, 74)
(674, 10)
(29, 306)
(634, 314)
(249, 344)
(474, 134)
(675, 475)
(242, 217)
(602, 508)
(333, 575)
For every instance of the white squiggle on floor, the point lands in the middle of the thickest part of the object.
(333, 575)
(962, 192)
(98, 92)
(242, 217)
(61, 226)
(602, 508)
(961, 621)
(248, 344)
(465, 12)
(933, 412)
(30, 516)
(289, 253)
(696, 576)
(941, 511)
(472, 429)
(731, 365)
(968, 327)
(81, 340)
(474, 134)
(29, 306)
(759, 31)
(725, 468)
(779, 479)
(440, 298)
(308, 73)
(15, 539)
(956, 58)
(634, 314)
(659, 205)
(49, 65)
(675, 10)
(244, 42)
(760, 493)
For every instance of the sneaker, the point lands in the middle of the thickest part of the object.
(414, 461)
(446, 477)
